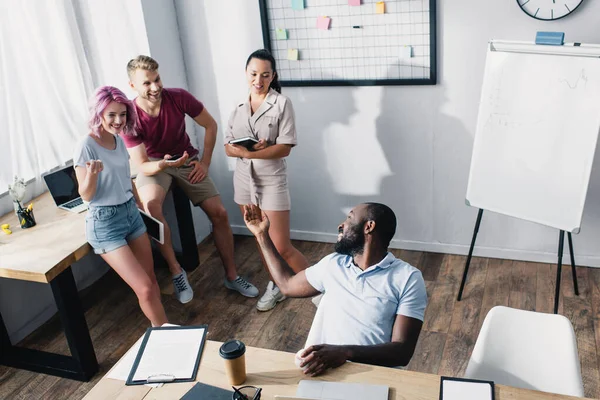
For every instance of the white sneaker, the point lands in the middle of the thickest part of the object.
(183, 290)
(242, 286)
(270, 299)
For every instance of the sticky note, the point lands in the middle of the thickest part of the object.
(354, 2)
(297, 4)
(406, 52)
(292, 54)
(323, 23)
(280, 34)
(380, 7)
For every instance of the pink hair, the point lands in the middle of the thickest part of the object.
(102, 97)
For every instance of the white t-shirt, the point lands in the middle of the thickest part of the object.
(360, 307)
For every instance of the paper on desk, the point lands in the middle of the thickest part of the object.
(170, 352)
(122, 368)
(461, 390)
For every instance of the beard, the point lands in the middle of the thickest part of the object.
(352, 243)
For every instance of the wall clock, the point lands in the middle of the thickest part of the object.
(548, 10)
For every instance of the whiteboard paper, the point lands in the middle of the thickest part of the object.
(536, 136)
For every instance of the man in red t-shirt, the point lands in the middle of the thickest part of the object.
(163, 153)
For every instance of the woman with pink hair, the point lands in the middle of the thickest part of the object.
(114, 227)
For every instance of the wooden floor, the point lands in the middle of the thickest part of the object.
(449, 332)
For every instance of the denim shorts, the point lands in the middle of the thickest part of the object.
(109, 227)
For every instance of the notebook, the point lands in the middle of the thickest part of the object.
(201, 391)
(247, 142)
(465, 389)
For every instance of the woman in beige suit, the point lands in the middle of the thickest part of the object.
(261, 173)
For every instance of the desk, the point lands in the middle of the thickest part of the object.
(44, 253)
(275, 372)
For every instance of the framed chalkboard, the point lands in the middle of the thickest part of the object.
(351, 42)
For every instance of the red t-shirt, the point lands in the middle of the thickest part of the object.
(165, 134)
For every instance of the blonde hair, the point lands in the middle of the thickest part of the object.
(146, 63)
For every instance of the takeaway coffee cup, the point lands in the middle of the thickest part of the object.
(234, 355)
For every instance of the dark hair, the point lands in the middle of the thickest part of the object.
(385, 221)
(265, 55)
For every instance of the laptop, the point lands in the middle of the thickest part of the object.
(64, 189)
(320, 390)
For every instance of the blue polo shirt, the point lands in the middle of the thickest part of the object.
(360, 307)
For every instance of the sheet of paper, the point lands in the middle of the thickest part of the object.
(292, 54)
(323, 23)
(171, 352)
(281, 34)
(405, 52)
(297, 4)
(459, 390)
(122, 368)
(354, 2)
(380, 7)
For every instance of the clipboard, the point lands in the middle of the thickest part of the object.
(481, 391)
(168, 354)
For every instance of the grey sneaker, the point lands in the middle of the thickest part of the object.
(270, 299)
(183, 290)
(242, 286)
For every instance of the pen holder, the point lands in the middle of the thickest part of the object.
(26, 218)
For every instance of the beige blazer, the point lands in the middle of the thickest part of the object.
(263, 182)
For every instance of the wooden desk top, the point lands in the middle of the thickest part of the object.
(276, 374)
(42, 252)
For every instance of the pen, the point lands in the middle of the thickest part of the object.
(241, 396)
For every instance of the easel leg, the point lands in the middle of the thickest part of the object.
(561, 243)
(573, 264)
(466, 271)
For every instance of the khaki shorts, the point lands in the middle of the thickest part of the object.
(196, 192)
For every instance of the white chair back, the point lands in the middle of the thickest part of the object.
(529, 350)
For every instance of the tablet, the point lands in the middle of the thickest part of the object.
(247, 142)
(155, 228)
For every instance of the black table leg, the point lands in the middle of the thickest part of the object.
(189, 258)
(82, 363)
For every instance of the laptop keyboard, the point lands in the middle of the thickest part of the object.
(73, 203)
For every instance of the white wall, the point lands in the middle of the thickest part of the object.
(408, 147)
(165, 46)
(26, 305)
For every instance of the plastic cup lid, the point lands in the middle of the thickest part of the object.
(232, 349)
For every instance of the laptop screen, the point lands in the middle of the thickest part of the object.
(63, 185)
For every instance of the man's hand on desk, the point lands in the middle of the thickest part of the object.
(319, 358)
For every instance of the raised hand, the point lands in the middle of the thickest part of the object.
(94, 167)
(256, 220)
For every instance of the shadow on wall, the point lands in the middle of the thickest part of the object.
(325, 153)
